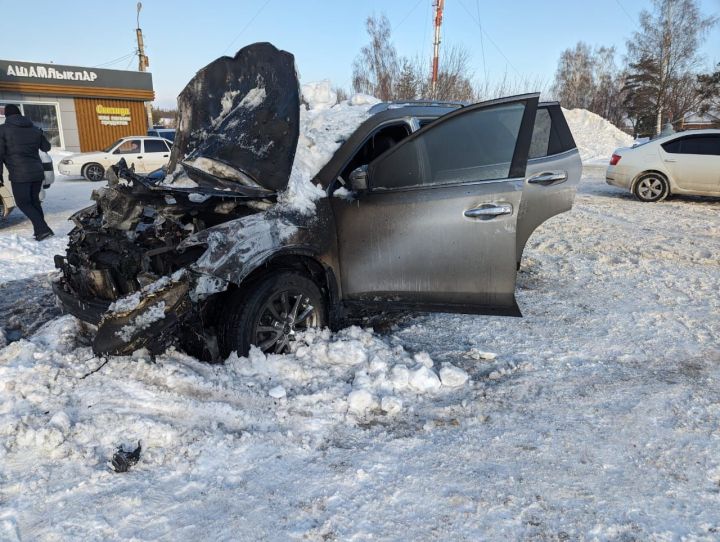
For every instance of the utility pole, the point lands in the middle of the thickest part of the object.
(143, 62)
(439, 6)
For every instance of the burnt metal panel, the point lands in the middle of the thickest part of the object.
(243, 112)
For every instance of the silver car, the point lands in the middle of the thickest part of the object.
(443, 199)
(682, 163)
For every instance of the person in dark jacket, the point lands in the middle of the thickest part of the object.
(20, 143)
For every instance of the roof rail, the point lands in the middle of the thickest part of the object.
(384, 106)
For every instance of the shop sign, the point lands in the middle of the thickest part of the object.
(113, 116)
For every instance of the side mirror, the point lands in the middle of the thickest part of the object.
(359, 179)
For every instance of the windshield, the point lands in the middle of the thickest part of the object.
(111, 147)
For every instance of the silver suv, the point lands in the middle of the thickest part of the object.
(444, 198)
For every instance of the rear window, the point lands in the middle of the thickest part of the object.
(155, 145)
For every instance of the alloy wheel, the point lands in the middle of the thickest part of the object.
(650, 188)
(94, 172)
(281, 317)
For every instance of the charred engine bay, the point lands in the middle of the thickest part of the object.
(128, 240)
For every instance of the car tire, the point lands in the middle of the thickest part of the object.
(651, 187)
(93, 172)
(270, 311)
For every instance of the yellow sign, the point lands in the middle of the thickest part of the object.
(113, 116)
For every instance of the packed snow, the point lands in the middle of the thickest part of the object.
(595, 137)
(593, 417)
(324, 126)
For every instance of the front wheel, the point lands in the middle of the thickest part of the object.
(93, 172)
(271, 314)
(652, 187)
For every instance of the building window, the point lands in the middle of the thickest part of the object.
(43, 115)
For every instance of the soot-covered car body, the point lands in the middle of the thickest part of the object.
(437, 203)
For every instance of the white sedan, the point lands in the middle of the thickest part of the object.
(682, 163)
(145, 153)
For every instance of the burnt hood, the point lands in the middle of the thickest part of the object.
(238, 123)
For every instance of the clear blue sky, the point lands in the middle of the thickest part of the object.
(521, 36)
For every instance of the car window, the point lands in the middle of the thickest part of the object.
(551, 134)
(130, 146)
(473, 146)
(541, 134)
(376, 144)
(696, 144)
(155, 145)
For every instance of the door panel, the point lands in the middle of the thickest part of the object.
(437, 229)
(132, 151)
(418, 247)
(156, 155)
(553, 156)
(694, 162)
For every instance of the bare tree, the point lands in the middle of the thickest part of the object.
(667, 44)
(341, 93)
(574, 81)
(375, 69)
(409, 83)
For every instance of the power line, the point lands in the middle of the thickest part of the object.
(115, 61)
(251, 21)
(625, 11)
(482, 44)
(507, 60)
(406, 16)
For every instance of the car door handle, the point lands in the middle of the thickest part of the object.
(165, 155)
(549, 178)
(139, 157)
(490, 210)
(670, 160)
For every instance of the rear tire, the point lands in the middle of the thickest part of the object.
(93, 172)
(270, 312)
(651, 187)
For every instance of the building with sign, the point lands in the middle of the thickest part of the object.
(80, 109)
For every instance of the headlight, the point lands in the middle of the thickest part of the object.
(66, 162)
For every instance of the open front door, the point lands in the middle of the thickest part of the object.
(436, 229)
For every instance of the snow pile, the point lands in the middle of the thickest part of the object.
(323, 128)
(319, 94)
(352, 370)
(595, 137)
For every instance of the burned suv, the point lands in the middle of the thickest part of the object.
(438, 202)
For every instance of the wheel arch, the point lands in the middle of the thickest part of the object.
(297, 259)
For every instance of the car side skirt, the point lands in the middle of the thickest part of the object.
(387, 306)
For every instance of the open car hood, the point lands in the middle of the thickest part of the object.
(238, 124)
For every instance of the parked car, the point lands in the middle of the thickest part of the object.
(681, 163)
(145, 154)
(165, 133)
(443, 200)
(7, 201)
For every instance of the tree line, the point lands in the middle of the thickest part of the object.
(378, 70)
(661, 80)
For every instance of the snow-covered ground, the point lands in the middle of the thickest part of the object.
(593, 417)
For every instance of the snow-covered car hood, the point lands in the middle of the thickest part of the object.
(239, 123)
